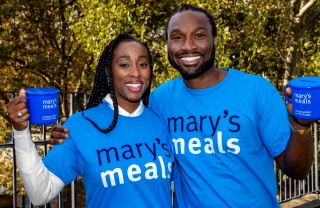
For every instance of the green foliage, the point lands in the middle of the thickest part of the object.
(59, 43)
(39, 49)
(99, 23)
(310, 51)
(249, 38)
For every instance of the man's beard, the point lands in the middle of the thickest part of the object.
(204, 67)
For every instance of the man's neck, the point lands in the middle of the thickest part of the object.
(208, 79)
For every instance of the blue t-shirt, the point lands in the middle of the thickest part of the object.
(128, 167)
(224, 139)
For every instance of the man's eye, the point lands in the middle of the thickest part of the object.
(199, 35)
(177, 37)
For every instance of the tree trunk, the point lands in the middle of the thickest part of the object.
(299, 11)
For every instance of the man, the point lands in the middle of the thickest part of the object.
(227, 127)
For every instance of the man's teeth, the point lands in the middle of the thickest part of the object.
(134, 85)
(190, 58)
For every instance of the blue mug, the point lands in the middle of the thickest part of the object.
(43, 105)
(305, 97)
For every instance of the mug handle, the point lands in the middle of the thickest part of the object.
(287, 97)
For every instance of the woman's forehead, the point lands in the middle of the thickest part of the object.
(132, 47)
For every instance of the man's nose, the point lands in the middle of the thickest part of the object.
(189, 44)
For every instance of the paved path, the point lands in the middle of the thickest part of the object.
(307, 201)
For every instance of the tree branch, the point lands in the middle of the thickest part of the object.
(279, 52)
(305, 8)
(295, 7)
(293, 2)
(76, 50)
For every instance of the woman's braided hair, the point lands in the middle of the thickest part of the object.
(103, 82)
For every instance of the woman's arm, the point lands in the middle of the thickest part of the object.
(41, 184)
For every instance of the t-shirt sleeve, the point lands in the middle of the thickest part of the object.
(62, 160)
(273, 120)
(153, 102)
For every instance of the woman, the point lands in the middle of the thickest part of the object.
(120, 147)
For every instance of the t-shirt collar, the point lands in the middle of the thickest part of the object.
(122, 111)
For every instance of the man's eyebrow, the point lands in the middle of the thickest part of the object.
(197, 28)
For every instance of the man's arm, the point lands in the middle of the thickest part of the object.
(296, 160)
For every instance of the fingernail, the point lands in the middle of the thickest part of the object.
(60, 141)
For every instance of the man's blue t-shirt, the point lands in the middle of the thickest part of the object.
(128, 167)
(224, 139)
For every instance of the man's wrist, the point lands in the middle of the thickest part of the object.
(308, 125)
(300, 132)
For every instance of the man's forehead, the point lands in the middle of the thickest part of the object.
(188, 17)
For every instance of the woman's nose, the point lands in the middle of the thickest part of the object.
(135, 72)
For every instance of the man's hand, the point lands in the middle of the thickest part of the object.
(294, 121)
(59, 133)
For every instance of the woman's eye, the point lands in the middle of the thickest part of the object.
(143, 64)
(124, 65)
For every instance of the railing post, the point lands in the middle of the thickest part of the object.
(74, 193)
(315, 136)
(14, 182)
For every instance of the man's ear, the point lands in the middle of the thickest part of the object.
(215, 41)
